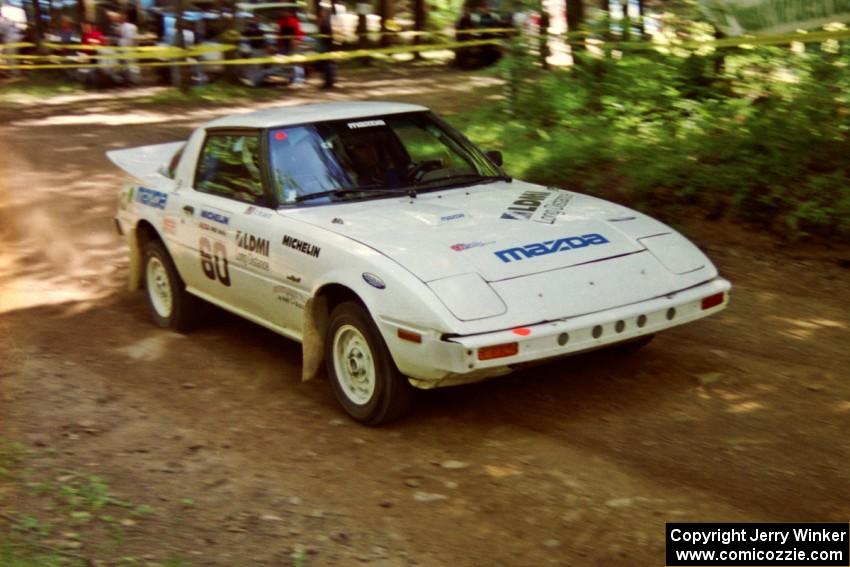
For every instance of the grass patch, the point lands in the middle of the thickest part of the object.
(213, 93)
(34, 85)
(60, 517)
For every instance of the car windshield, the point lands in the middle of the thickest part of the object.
(372, 156)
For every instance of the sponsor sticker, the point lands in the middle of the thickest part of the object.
(550, 247)
(301, 246)
(215, 217)
(258, 212)
(251, 243)
(251, 248)
(453, 217)
(460, 247)
(366, 124)
(151, 198)
(289, 296)
(538, 206)
(126, 197)
(169, 225)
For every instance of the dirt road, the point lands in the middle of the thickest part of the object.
(741, 417)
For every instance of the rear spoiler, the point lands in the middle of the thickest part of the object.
(148, 164)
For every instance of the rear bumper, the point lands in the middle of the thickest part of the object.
(459, 360)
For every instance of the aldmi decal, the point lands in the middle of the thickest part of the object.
(550, 247)
(538, 206)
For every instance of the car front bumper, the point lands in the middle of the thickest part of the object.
(445, 361)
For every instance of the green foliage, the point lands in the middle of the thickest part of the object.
(53, 504)
(766, 140)
(16, 554)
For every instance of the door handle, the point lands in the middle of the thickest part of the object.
(189, 209)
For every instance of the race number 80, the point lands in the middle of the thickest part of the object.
(214, 261)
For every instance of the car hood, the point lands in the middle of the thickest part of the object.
(499, 230)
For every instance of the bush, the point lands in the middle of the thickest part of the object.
(768, 140)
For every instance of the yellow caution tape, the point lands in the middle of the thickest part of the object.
(276, 59)
(122, 55)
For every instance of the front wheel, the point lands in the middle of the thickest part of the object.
(363, 376)
(171, 306)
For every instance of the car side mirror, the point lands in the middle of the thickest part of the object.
(495, 156)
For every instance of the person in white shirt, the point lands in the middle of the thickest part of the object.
(9, 34)
(188, 42)
(127, 32)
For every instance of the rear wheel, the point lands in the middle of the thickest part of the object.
(171, 306)
(363, 376)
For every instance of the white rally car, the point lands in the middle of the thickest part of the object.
(394, 250)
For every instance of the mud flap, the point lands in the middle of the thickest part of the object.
(313, 337)
(135, 279)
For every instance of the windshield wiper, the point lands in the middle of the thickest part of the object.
(461, 180)
(369, 189)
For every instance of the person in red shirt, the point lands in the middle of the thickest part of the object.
(289, 29)
(92, 35)
(97, 76)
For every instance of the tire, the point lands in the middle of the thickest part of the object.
(362, 374)
(171, 306)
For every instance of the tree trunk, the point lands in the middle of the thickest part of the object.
(605, 7)
(626, 22)
(38, 29)
(182, 75)
(641, 15)
(385, 10)
(575, 18)
(81, 16)
(229, 35)
(419, 20)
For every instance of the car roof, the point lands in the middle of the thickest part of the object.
(306, 113)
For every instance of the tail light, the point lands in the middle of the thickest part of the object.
(712, 300)
(498, 351)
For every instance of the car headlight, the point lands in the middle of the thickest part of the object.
(675, 252)
(468, 297)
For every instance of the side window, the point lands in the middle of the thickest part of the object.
(229, 166)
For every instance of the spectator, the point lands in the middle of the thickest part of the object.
(326, 45)
(66, 30)
(255, 74)
(289, 29)
(127, 32)
(183, 29)
(9, 35)
(92, 36)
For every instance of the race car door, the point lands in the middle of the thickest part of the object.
(227, 247)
